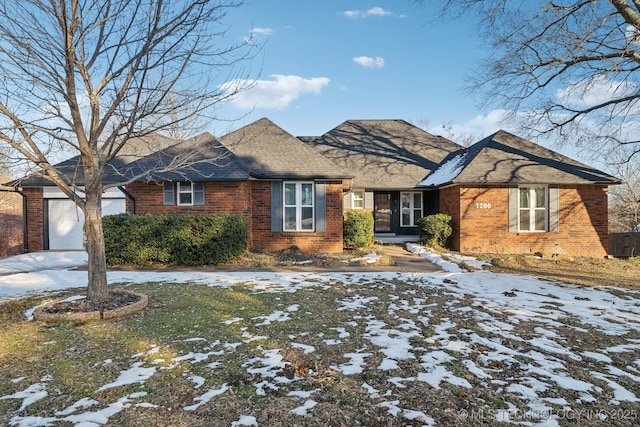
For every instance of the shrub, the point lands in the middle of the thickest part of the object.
(174, 239)
(358, 229)
(435, 229)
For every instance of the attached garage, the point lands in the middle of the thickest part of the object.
(64, 221)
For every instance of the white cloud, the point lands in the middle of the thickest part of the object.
(258, 31)
(374, 11)
(596, 90)
(274, 94)
(369, 62)
(262, 31)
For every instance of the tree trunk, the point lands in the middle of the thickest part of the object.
(97, 288)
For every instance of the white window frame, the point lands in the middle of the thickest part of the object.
(532, 209)
(412, 208)
(298, 206)
(354, 198)
(180, 191)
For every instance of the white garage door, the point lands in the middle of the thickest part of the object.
(66, 222)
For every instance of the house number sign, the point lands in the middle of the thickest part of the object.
(483, 205)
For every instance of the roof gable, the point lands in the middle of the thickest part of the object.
(268, 151)
(384, 154)
(505, 158)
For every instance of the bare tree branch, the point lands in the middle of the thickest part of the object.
(87, 77)
(572, 65)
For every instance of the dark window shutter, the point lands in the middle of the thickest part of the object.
(513, 209)
(198, 193)
(276, 206)
(167, 194)
(554, 209)
(321, 207)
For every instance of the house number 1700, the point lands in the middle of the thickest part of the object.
(483, 205)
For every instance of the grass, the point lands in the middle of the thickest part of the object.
(77, 359)
(616, 272)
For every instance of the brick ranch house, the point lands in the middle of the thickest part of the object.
(504, 194)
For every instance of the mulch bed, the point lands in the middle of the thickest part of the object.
(116, 300)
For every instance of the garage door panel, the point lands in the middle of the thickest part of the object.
(66, 222)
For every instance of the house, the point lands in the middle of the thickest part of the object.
(504, 193)
(389, 158)
(508, 195)
(53, 222)
(289, 193)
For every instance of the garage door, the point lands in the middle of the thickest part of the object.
(66, 222)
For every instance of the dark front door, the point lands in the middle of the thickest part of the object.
(383, 213)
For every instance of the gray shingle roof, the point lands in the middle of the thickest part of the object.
(134, 150)
(383, 154)
(201, 158)
(505, 158)
(271, 152)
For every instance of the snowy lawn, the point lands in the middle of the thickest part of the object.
(373, 349)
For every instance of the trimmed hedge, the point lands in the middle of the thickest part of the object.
(435, 229)
(358, 229)
(188, 240)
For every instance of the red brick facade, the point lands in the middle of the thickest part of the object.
(11, 224)
(35, 218)
(252, 199)
(480, 218)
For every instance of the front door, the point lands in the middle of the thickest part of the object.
(382, 213)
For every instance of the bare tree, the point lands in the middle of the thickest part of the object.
(624, 200)
(86, 77)
(569, 69)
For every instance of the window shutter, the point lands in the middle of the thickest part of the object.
(198, 193)
(368, 200)
(321, 207)
(554, 209)
(276, 206)
(513, 209)
(346, 201)
(167, 193)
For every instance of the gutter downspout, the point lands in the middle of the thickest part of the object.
(25, 222)
(131, 199)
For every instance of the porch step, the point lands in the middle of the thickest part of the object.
(394, 238)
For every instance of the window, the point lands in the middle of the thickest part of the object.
(298, 206)
(185, 193)
(410, 209)
(357, 199)
(532, 209)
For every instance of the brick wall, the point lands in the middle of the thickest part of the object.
(263, 239)
(11, 224)
(219, 197)
(253, 200)
(35, 218)
(449, 201)
(483, 216)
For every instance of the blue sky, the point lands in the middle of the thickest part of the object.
(328, 61)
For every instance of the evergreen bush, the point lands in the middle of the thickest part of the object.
(174, 239)
(435, 229)
(358, 229)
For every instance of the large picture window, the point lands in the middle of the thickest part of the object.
(410, 209)
(298, 206)
(532, 208)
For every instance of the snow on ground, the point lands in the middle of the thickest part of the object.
(498, 305)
